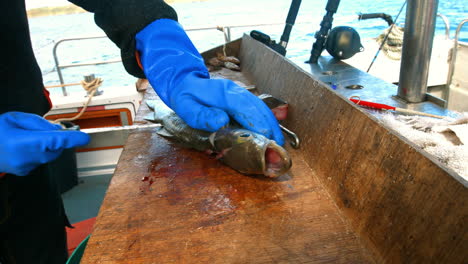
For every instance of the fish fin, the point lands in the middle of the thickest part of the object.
(150, 117)
(151, 104)
(161, 110)
(163, 132)
(166, 134)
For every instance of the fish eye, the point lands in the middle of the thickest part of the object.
(244, 135)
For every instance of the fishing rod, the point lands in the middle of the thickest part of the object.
(290, 19)
(292, 14)
(322, 34)
(386, 37)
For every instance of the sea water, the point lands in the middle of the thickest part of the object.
(46, 31)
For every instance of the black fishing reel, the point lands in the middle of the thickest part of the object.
(281, 46)
(265, 39)
(343, 42)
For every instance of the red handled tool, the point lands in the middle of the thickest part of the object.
(389, 107)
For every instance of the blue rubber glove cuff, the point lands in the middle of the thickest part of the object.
(28, 140)
(179, 76)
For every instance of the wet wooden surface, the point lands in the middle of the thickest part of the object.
(404, 205)
(168, 204)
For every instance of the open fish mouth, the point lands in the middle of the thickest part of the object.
(250, 153)
(276, 160)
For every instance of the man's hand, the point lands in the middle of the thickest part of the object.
(178, 74)
(28, 140)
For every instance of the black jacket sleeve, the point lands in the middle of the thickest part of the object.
(121, 20)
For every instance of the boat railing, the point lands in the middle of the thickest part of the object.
(447, 25)
(226, 30)
(453, 60)
(59, 67)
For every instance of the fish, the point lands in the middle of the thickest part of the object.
(215, 62)
(229, 62)
(245, 151)
(231, 66)
(230, 59)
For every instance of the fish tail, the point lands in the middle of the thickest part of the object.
(160, 110)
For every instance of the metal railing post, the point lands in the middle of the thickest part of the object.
(57, 67)
(417, 47)
(446, 94)
(447, 25)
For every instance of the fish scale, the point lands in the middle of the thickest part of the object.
(174, 127)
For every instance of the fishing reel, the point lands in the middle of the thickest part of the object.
(265, 39)
(343, 42)
(281, 46)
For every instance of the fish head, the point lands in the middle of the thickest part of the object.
(250, 153)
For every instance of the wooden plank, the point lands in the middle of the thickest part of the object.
(168, 204)
(403, 205)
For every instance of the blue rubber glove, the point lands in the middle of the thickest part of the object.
(179, 76)
(28, 140)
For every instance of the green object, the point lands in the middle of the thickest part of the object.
(75, 257)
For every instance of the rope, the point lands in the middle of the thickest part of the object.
(61, 85)
(386, 36)
(222, 29)
(90, 88)
(394, 44)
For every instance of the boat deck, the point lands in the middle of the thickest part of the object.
(84, 200)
